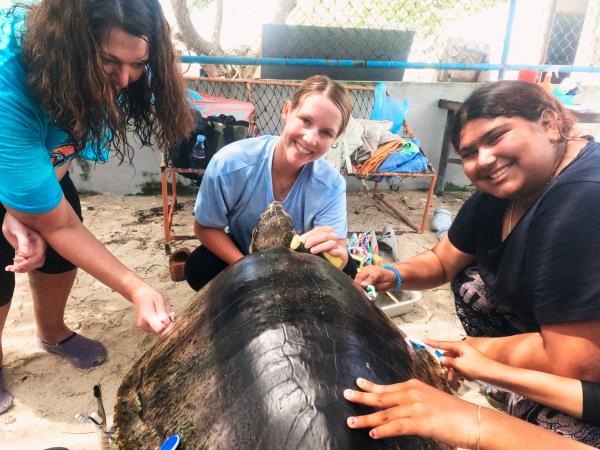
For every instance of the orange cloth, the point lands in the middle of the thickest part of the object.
(371, 165)
(62, 153)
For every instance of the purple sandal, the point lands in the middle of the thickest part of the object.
(81, 352)
(6, 398)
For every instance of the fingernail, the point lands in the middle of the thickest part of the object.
(351, 421)
(361, 381)
(373, 434)
(348, 393)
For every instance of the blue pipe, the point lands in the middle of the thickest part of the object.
(233, 60)
(507, 37)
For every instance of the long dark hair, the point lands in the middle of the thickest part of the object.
(511, 99)
(61, 52)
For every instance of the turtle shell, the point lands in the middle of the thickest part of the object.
(260, 359)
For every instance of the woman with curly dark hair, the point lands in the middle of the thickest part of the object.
(78, 78)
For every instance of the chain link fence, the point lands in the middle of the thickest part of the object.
(268, 98)
(438, 32)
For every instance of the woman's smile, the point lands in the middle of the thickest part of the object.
(497, 174)
(302, 149)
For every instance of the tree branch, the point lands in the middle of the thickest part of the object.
(284, 8)
(187, 32)
(216, 37)
(192, 40)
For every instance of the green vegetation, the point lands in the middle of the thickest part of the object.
(451, 187)
(154, 187)
(383, 14)
(84, 192)
(86, 168)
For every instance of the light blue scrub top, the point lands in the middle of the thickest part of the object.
(237, 188)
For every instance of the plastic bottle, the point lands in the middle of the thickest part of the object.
(198, 155)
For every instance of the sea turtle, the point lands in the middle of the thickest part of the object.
(274, 228)
(260, 359)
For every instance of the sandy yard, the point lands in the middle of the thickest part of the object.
(49, 392)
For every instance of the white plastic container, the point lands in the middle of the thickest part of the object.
(406, 301)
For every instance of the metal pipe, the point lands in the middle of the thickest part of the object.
(102, 429)
(380, 64)
(507, 37)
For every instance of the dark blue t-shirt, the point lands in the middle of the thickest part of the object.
(548, 268)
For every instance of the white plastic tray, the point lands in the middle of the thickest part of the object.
(406, 301)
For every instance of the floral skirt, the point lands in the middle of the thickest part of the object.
(483, 314)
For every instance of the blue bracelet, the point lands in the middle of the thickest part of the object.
(398, 277)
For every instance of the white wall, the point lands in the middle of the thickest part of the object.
(116, 178)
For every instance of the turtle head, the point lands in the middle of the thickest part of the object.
(274, 229)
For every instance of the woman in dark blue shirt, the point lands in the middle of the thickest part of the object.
(522, 254)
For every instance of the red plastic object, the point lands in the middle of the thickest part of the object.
(214, 106)
(530, 76)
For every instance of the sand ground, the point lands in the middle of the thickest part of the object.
(49, 392)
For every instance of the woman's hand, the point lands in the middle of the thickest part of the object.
(63, 230)
(415, 408)
(462, 359)
(323, 239)
(30, 246)
(382, 279)
(151, 313)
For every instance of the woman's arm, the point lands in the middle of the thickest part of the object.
(60, 171)
(429, 269)
(570, 350)
(415, 408)
(218, 242)
(563, 394)
(30, 247)
(63, 231)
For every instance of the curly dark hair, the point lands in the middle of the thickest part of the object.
(511, 99)
(61, 50)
